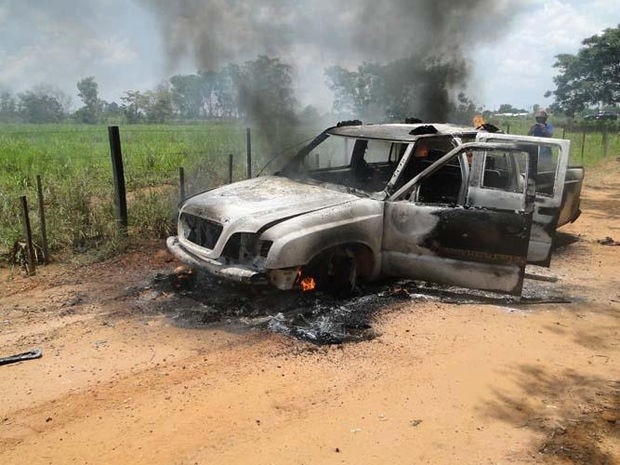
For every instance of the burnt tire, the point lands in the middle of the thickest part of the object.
(335, 272)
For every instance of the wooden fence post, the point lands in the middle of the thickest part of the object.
(181, 184)
(230, 168)
(583, 144)
(120, 199)
(42, 220)
(30, 262)
(248, 142)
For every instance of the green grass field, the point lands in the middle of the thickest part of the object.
(589, 142)
(75, 167)
(74, 164)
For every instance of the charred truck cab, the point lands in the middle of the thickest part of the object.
(434, 202)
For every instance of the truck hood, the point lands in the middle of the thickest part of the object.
(253, 203)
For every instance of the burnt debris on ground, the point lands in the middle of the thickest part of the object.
(313, 316)
(205, 301)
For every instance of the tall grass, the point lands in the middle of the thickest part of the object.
(590, 141)
(75, 167)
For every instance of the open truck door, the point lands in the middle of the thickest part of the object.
(553, 157)
(440, 226)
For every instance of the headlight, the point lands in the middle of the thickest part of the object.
(263, 248)
(246, 246)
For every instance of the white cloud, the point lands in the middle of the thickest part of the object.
(109, 51)
(62, 42)
(4, 14)
(518, 69)
(119, 42)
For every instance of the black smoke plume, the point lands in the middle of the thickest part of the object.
(313, 35)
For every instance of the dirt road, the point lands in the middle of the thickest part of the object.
(486, 382)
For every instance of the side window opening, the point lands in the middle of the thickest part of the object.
(372, 163)
(332, 153)
(497, 172)
(548, 158)
(397, 150)
(442, 186)
(504, 170)
(425, 153)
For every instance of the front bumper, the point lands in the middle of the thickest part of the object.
(237, 273)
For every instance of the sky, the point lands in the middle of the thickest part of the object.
(510, 46)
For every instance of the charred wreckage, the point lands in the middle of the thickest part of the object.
(435, 202)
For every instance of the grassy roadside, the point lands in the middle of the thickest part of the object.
(74, 164)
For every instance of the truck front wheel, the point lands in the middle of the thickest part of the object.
(337, 271)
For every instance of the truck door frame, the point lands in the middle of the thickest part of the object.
(547, 208)
(473, 246)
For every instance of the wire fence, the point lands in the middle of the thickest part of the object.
(75, 169)
(591, 141)
(73, 164)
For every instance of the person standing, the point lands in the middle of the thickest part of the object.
(542, 128)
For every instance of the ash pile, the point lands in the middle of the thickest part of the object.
(201, 301)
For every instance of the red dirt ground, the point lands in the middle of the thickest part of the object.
(442, 383)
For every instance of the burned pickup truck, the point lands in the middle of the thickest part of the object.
(433, 202)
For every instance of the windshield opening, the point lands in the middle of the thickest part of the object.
(362, 164)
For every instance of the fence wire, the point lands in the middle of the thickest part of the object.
(75, 167)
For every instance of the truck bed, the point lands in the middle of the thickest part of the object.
(572, 192)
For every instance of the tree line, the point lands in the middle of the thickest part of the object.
(591, 78)
(262, 90)
(259, 90)
(260, 87)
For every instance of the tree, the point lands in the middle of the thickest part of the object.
(133, 106)
(37, 108)
(342, 84)
(592, 77)
(88, 89)
(465, 109)
(111, 112)
(506, 108)
(187, 92)
(265, 90)
(8, 108)
(150, 106)
(225, 92)
(158, 105)
(309, 114)
(410, 87)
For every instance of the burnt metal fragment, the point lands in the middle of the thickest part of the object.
(30, 355)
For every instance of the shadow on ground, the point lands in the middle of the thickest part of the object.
(577, 415)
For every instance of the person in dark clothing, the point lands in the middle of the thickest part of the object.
(542, 128)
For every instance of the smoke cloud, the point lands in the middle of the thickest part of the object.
(312, 35)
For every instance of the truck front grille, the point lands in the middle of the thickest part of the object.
(200, 231)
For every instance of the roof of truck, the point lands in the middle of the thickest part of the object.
(400, 132)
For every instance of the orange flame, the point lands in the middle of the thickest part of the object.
(307, 284)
